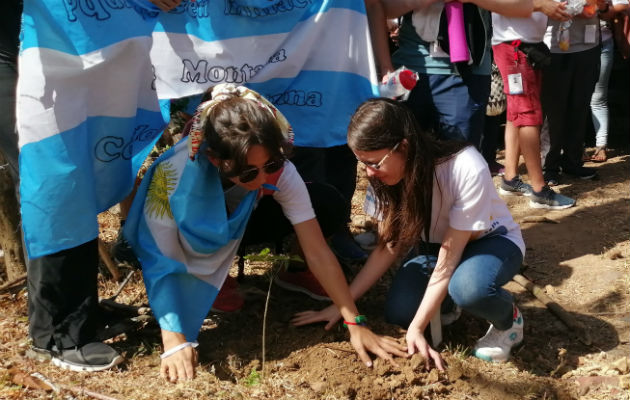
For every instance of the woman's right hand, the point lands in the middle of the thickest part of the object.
(179, 366)
(417, 342)
(330, 315)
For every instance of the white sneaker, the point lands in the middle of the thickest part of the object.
(495, 346)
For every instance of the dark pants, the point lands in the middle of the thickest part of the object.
(568, 84)
(452, 106)
(268, 223)
(63, 298)
(336, 166)
(8, 133)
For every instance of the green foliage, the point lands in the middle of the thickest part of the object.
(266, 255)
(253, 379)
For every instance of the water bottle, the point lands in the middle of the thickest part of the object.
(398, 84)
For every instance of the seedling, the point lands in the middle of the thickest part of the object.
(280, 262)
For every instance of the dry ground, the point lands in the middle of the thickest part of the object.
(579, 256)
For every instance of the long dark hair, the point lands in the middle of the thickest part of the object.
(235, 125)
(405, 207)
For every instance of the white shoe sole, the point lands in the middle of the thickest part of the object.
(510, 193)
(85, 368)
(533, 204)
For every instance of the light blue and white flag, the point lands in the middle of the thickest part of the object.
(88, 110)
(311, 58)
(88, 114)
(180, 231)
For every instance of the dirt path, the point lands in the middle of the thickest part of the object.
(580, 257)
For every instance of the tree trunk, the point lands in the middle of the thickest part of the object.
(10, 233)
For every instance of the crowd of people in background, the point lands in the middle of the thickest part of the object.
(249, 170)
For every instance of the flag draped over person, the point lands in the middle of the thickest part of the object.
(93, 74)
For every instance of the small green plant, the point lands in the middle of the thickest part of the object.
(280, 262)
(253, 378)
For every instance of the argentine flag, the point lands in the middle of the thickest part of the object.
(179, 228)
(311, 58)
(94, 72)
(87, 113)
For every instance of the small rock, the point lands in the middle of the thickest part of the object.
(550, 289)
(621, 365)
(319, 387)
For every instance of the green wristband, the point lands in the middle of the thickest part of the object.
(358, 320)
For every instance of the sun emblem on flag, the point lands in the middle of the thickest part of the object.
(161, 187)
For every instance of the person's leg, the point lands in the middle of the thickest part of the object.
(584, 72)
(8, 134)
(599, 99)
(460, 104)
(476, 285)
(407, 290)
(63, 298)
(512, 151)
(555, 100)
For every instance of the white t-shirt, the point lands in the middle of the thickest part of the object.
(464, 197)
(529, 30)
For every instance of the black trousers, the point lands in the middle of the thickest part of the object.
(268, 223)
(568, 85)
(336, 166)
(63, 299)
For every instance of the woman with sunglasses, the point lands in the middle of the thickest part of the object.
(191, 211)
(439, 209)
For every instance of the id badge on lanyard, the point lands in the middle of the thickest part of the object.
(515, 76)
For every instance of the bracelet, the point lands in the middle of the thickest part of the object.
(358, 320)
(177, 348)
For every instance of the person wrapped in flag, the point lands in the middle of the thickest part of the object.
(192, 208)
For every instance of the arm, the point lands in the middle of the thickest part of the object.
(379, 261)
(449, 256)
(180, 365)
(508, 8)
(327, 270)
(553, 9)
(378, 32)
(396, 8)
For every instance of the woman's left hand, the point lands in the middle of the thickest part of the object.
(417, 342)
(364, 340)
(330, 315)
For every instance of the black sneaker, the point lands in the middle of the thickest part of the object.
(91, 357)
(581, 172)
(552, 178)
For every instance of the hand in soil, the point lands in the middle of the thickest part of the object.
(417, 342)
(179, 366)
(330, 315)
(364, 340)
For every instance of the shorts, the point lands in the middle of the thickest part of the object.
(522, 109)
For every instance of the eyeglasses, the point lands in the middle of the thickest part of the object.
(379, 164)
(250, 174)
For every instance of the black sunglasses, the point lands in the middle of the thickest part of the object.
(251, 173)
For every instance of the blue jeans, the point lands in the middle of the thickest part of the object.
(476, 285)
(599, 99)
(452, 106)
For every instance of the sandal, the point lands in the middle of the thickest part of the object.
(600, 155)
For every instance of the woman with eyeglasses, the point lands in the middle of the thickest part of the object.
(439, 210)
(192, 209)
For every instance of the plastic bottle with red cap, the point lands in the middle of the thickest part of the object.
(398, 84)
